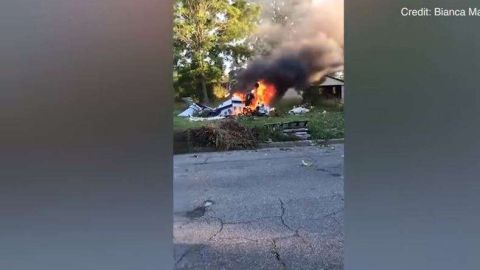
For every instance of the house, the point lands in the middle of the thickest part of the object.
(332, 87)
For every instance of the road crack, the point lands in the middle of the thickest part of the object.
(282, 216)
(276, 253)
(191, 249)
(222, 224)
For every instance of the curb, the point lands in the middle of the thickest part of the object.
(300, 143)
(270, 145)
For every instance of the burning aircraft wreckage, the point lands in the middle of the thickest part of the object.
(296, 63)
(257, 102)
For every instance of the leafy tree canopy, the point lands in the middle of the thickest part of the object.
(208, 35)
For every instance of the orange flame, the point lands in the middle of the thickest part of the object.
(264, 94)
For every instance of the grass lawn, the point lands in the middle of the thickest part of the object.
(324, 122)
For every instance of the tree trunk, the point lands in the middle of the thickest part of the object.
(206, 101)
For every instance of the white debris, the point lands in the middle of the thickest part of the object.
(207, 203)
(231, 106)
(298, 110)
(192, 110)
(264, 110)
(306, 163)
(195, 119)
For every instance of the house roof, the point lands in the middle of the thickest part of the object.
(337, 75)
(331, 81)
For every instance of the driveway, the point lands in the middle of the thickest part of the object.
(276, 208)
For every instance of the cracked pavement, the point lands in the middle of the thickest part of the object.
(259, 209)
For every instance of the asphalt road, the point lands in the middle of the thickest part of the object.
(263, 209)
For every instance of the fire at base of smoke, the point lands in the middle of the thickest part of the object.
(307, 54)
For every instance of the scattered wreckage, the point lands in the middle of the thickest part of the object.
(298, 110)
(231, 107)
(254, 103)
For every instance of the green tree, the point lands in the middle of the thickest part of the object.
(209, 34)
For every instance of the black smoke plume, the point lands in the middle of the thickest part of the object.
(302, 57)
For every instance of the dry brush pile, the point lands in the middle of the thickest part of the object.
(223, 135)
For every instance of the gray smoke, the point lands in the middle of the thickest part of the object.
(303, 51)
